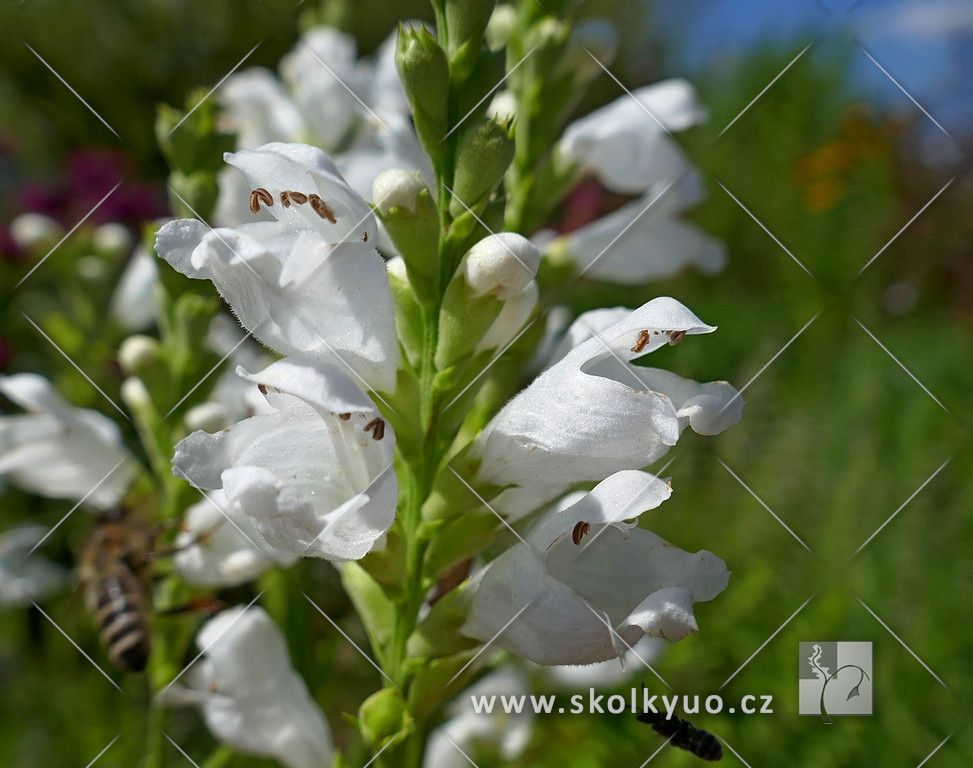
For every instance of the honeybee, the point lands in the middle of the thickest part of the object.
(114, 576)
(683, 734)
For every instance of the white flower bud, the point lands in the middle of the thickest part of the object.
(30, 229)
(503, 107)
(112, 238)
(397, 189)
(136, 352)
(135, 394)
(502, 264)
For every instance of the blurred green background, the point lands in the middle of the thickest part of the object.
(836, 436)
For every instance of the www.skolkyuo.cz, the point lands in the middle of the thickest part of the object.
(639, 700)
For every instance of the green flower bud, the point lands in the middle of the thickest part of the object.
(492, 271)
(424, 72)
(484, 153)
(411, 220)
(382, 716)
(466, 21)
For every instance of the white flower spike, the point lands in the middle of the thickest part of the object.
(593, 413)
(591, 585)
(250, 695)
(314, 478)
(310, 283)
(59, 451)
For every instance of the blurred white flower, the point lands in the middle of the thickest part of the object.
(646, 239)
(588, 585)
(59, 451)
(355, 109)
(593, 413)
(315, 477)
(497, 732)
(251, 697)
(217, 545)
(310, 282)
(25, 576)
(627, 146)
(34, 229)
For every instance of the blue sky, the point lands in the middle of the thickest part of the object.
(926, 45)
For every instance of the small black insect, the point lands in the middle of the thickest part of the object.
(683, 734)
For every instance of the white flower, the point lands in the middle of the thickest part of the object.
(626, 143)
(314, 478)
(219, 546)
(251, 697)
(309, 283)
(26, 577)
(590, 585)
(646, 239)
(34, 229)
(593, 412)
(60, 451)
(499, 732)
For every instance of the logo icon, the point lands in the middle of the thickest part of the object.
(835, 679)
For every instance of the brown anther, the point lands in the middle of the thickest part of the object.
(364, 237)
(344, 416)
(675, 337)
(322, 209)
(579, 532)
(298, 198)
(258, 196)
(377, 428)
(262, 388)
(641, 341)
(285, 199)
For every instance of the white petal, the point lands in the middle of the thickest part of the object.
(218, 548)
(643, 240)
(253, 699)
(625, 143)
(135, 301)
(257, 109)
(321, 73)
(311, 479)
(296, 293)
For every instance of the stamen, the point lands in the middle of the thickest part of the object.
(580, 530)
(377, 428)
(322, 209)
(298, 198)
(258, 196)
(675, 337)
(641, 342)
(344, 416)
(285, 199)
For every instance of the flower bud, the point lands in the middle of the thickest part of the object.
(424, 72)
(112, 238)
(492, 271)
(382, 716)
(138, 352)
(209, 417)
(502, 264)
(466, 21)
(409, 214)
(32, 229)
(484, 152)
